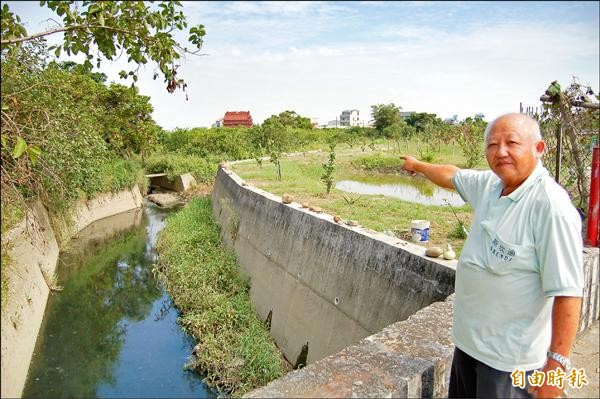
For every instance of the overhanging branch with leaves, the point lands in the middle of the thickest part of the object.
(144, 34)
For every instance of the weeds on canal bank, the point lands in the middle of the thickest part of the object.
(234, 348)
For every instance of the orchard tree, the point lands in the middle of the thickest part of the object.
(385, 115)
(395, 132)
(289, 119)
(470, 139)
(329, 168)
(421, 120)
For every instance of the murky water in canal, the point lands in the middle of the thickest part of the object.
(112, 331)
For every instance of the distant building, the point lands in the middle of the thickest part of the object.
(349, 117)
(334, 123)
(451, 121)
(235, 118)
(406, 114)
(314, 122)
(218, 123)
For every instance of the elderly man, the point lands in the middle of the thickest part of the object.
(519, 280)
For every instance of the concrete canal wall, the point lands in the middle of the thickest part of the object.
(33, 249)
(324, 283)
(375, 312)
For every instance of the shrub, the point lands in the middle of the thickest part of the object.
(63, 131)
(328, 168)
(172, 164)
(377, 162)
(471, 138)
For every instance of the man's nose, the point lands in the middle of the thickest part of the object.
(502, 150)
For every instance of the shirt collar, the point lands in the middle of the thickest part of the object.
(538, 173)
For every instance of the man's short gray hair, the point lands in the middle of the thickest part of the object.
(533, 128)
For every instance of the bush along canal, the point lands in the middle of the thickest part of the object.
(112, 331)
(234, 347)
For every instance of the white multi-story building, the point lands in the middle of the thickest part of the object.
(349, 117)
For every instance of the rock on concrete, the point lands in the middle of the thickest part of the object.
(164, 200)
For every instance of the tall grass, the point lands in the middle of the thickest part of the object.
(235, 350)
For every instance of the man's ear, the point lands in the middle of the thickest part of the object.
(540, 146)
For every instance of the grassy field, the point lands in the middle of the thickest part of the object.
(301, 179)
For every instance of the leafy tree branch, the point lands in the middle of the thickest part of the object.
(143, 33)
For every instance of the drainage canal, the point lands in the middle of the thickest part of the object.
(112, 331)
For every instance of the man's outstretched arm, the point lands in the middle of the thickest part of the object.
(439, 174)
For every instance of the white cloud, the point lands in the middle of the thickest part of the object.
(489, 70)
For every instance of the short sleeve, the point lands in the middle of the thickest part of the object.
(559, 249)
(470, 184)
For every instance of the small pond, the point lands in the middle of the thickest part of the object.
(112, 331)
(412, 189)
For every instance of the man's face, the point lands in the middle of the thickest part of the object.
(511, 152)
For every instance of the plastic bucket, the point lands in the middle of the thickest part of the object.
(419, 230)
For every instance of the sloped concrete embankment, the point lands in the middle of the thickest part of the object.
(332, 285)
(34, 252)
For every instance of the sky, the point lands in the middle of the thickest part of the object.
(320, 58)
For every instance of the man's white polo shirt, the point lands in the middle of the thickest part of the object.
(522, 250)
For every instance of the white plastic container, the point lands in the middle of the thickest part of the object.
(419, 230)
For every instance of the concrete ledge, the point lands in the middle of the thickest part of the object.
(34, 251)
(411, 358)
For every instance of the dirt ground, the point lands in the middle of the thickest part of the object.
(585, 354)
